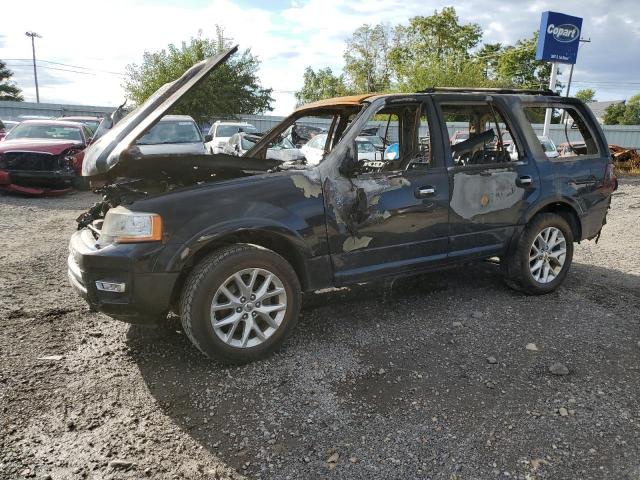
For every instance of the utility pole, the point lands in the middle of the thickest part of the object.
(33, 36)
(582, 40)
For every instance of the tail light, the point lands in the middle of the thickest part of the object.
(610, 179)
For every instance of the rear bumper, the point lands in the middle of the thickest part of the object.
(147, 294)
(593, 221)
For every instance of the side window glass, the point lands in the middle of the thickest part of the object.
(479, 135)
(569, 135)
(396, 137)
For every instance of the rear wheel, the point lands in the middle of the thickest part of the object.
(540, 259)
(240, 303)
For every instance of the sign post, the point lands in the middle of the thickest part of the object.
(558, 42)
(552, 86)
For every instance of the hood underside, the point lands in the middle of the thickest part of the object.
(190, 169)
(111, 150)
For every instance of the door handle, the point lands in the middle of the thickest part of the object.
(425, 191)
(525, 180)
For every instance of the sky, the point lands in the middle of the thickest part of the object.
(92, 44)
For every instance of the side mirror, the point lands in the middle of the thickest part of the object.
(350, 165)
(208, 137)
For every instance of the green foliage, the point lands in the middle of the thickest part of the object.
(613, 114)
(233, 88)
(623, 113)
(439, 36)
(517, 67)
(8, 89)
(319, 85)
(631, 114)
(488, 56)
(587, 95)
(366, 59)
(434, 51)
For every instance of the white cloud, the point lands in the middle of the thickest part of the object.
(302, 33)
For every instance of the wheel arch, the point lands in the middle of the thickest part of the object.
(566, 209)
(284, 245)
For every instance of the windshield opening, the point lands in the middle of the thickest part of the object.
(171, 132)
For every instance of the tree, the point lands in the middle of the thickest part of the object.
(623, 113)
(435, 51)
(613, 113)
(488, 56)
(8, 89)
(319, 85)
(233, 88)
(587, 95)
(518, 68)
(366, 59)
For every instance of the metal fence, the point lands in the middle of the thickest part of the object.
(18, 110)
(623, 135)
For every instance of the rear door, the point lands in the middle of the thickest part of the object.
(491, 187)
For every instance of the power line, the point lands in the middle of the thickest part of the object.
(54, 68)
(65, 65)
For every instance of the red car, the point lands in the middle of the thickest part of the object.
(43, 157)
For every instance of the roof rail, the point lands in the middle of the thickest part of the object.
(513, 91)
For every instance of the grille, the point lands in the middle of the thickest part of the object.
(30, 161)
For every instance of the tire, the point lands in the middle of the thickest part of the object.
(519, 269)
(204, 286)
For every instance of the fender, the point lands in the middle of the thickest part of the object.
(537, 207)
(214, 233)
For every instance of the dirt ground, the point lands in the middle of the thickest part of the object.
(434, 382)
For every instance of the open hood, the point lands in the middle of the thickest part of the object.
(108, 151)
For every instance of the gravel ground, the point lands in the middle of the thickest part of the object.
(447, 378)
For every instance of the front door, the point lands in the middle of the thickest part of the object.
(391, 217)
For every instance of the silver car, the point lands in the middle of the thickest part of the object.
(173, 135)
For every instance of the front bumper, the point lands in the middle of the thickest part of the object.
(30, 182)
(147, 294)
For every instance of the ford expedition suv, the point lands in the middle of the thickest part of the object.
(229, 243)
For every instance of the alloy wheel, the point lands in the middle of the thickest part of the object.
(547, 255)
(248, 307)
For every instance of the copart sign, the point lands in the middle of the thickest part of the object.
(559, 37)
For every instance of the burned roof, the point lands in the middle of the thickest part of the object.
(338, 101)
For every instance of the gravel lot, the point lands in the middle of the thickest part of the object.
(434, 381)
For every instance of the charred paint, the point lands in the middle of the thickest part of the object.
(309, 185)
(475, 194)
(355, 243)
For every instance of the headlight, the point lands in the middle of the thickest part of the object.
(124, 226)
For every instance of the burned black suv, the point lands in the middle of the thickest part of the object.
(229, 243)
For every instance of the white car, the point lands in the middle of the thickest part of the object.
(313, 150)
(221, 132)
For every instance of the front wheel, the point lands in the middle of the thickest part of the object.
(540, 259)
(240, 303)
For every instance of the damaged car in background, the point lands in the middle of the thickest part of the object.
(43, 157)
(230, 243)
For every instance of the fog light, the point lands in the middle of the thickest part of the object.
(110, 286)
